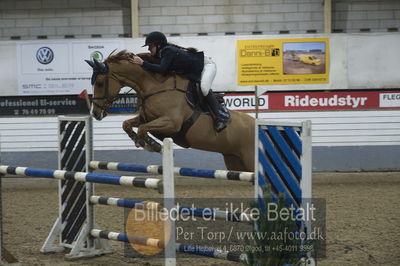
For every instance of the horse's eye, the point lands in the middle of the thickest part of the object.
(100, 84)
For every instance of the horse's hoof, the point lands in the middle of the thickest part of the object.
(137, 144)
(140, 143)
(156, 147)
(148, 148)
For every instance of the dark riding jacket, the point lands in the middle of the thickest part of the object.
(184, 62)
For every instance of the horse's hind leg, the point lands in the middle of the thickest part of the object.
(233, 163)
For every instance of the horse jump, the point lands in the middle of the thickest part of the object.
(6, 258)
(179, 247)
(278, 167)
(131, 181)
(182, 171)
(75, 143)
(83, 177)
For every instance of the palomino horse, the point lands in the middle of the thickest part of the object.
(163, 109)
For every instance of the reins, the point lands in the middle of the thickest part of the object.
(108, 102)
(144, 98)
(147, 96)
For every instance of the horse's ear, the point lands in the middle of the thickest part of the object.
(101, 66)
(90, 63)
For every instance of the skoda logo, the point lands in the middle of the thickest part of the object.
(97, 55)
(44, 55)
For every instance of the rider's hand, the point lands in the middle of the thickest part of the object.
(137, 60)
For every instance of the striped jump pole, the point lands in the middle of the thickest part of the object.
(182, 171)
(83, 177)
(183, 248)
(208, 213)
(283, 161)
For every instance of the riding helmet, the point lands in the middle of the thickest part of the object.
(155, 37)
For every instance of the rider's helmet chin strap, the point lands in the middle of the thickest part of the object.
(159, 47)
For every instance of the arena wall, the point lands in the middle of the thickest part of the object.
(50, 19)
(342, 141)
(363, 56)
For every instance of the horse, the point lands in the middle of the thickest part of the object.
(164, 110)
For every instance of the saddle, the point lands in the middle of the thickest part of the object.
(196, 100)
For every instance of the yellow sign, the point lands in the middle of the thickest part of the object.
(283, 61)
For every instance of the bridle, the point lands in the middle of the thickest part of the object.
(106, 95)
(102, 69)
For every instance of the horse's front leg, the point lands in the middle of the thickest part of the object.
(128, 126)
(163, 125)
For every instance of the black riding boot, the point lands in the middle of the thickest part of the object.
(221, 118)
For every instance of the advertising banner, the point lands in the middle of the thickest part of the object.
(332, 101)
(58, 67)
(283, 61)
(245, 102)
(60, 105)
(315, 101)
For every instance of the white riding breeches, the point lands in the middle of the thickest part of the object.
(208, 75)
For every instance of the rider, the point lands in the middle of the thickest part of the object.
(191, 64)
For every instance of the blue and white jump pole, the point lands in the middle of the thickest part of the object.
(182, 171)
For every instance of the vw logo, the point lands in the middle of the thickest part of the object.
(97, 55)
(44, 55)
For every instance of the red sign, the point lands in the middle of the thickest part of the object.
(313, 101)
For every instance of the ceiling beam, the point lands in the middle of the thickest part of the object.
(135, 18)
(327, 16)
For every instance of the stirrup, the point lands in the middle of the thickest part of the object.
(223, 112)
(220, 124)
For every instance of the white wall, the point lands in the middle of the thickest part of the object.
(55, 19)
(357, 61)
(373, 62)
(8, 66)
(329, 129)
(354, 15)
(189, 17)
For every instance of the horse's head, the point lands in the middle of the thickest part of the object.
(106, 88)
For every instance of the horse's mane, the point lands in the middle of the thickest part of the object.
(128, 56)
(125, 55)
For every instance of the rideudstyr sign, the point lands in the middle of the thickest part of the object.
(315, 101)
